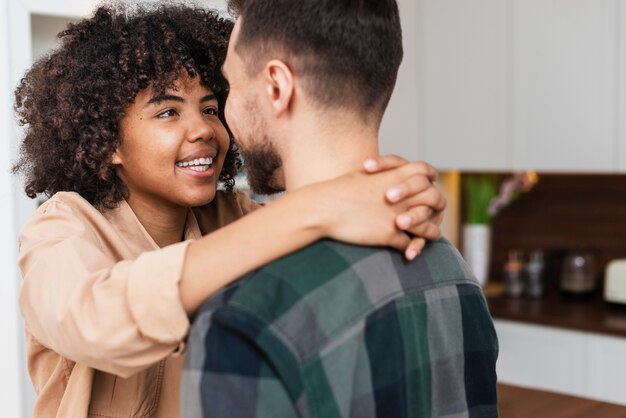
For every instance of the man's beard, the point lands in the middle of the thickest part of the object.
(263, 165)
(261, 159)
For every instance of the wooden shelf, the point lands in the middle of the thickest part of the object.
(590, 314)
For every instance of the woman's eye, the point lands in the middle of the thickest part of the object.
(167, 113)
(210, 111)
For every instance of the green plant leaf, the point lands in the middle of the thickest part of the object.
(479, 190)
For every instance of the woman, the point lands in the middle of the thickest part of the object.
(125, 133)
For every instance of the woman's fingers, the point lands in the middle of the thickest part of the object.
(422, 204)
(405, 169)
(437, 217)
(412, 186)
(384, 162)
(426, 206)
(415, 248)
(426, 230)
(431, 196)
(411, 206)
(413, 217)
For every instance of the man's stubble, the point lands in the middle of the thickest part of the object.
(262, 161)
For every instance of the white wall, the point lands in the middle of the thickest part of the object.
(44, 31)
(398, 132)
(10, 349)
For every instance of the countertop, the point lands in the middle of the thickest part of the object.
(590, 314)
(517, 402)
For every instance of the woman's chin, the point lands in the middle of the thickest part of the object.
(201, 199)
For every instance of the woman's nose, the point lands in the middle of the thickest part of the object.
(201, 129)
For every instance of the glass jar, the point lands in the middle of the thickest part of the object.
(578, 275)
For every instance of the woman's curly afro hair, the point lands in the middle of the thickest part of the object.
(72, 100)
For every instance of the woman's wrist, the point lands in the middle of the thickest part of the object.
(313, 216)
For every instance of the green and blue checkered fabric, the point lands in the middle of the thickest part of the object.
(337, 331)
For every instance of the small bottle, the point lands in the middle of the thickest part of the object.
(513, 273)
(534, 275)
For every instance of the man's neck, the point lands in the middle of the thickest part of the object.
(316, 155)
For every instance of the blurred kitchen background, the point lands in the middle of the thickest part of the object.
(521, 105)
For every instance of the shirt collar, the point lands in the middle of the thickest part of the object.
(135, 235)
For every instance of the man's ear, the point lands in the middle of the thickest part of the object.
(279, 85)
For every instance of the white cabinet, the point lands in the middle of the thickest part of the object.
(572, 362)
(541, 357)
(462, 83)
(607, 368)
(563, 55)
(522, 84)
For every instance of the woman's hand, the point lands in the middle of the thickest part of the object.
(422, 221)
(397, 204)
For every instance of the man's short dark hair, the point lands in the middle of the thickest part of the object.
(348, 51)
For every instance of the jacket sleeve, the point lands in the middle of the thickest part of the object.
(118, 317)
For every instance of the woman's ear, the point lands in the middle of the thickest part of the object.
(279, 85)
(116, 159)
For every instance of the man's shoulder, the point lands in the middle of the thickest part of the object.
(314, 294)
(320, 264)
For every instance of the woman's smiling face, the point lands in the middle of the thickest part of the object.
(172, 146)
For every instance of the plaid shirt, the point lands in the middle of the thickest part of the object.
(343, 331)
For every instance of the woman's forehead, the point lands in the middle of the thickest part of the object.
(184, 84)
(187, 82)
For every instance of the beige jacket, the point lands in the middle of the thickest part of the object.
(104, 322)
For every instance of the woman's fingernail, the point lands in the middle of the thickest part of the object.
(393, 194)
(411, 254)
(404, 221)
(370, 164)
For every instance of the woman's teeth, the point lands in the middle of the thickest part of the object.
(199, 164)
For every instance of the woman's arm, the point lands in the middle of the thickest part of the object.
(351, 208)
(79, 300)
(122, 317)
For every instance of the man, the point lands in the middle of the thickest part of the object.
(332, 330)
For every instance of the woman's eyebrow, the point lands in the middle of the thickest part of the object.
(208, 98)
(165, 97)
(171, 97)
